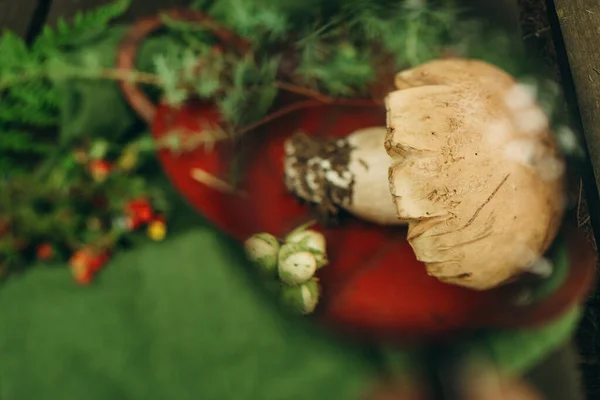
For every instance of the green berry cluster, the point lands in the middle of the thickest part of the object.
(294, 262)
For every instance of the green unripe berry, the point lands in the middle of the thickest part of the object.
(302, 299)
(313, 241)
(296, 264)
(263, 250)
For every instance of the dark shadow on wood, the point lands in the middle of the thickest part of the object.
(503, 13)
(571, 69)
(577, 37)
(586, 169)
(555, 377)
(38, 19)
(16, 15)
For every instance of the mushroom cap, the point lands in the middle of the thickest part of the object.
(476, 171)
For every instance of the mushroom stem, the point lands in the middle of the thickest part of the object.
(349, 173)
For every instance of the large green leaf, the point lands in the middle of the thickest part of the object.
(177, 320)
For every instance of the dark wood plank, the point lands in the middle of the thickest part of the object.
(580, 27)
(504, 13)
(16, 16)
(557, 377)
(139, 8)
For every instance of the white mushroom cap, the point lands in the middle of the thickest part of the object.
(476, 171)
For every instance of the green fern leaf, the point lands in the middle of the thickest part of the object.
(22, 114)
(22, 142)
(83, 27)
(14, 52)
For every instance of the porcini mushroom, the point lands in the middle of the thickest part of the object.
(476, 172)
(349, 173)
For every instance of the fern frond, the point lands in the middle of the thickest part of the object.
(18, 141)
(14, 51)
(28, 115)
(84, 26)
(28, 95)
(34, 93)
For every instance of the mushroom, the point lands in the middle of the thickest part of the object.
(476, 172)
(349, 173)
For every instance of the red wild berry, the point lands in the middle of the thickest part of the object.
(45, 252)
(99, 170)
(80, 265)
(99, 261)
(140, 210)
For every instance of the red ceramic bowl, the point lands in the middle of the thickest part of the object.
(373, 286)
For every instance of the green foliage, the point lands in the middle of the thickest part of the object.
(84, 27)
(61, 208)
(255, 21)
(242, 85)
(252, 89)
(336, 48)
(29, 100)
(333, 47)
(342, 70)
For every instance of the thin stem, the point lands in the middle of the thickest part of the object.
(323, 98)
(201, 176)
(307, 104)
(83, 73)
(303, 227)
(304, 91)
(132, 76)
(278, 114)
(185, 140)
(537, 33)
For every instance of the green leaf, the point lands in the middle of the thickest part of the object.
(14, 51)
(343, 72)
(22, 142)
(519, 350)
(182, 319)
(85, 27)
(92, 107)
(253, 20)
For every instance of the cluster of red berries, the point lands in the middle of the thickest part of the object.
(87, 261)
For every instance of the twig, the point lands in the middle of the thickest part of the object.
(580, 223)
(323, 98)
(304, 91)
(278, 114)
(190, 140)
(537, 33)
(204, 177)
(307, 104)
(579, 197)
(131, 76)
(83, 73)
